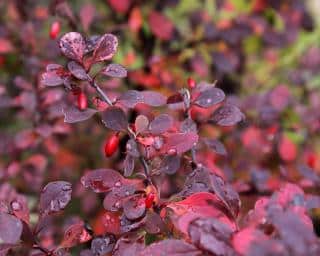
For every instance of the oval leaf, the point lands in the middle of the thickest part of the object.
(105, 48)
(10, 229)
(227, 115)
(72, 45)
(216, 146)
(210, 97)
(77, 70)
(73, 115)
(161, 124)
(179, 142)
(115, 119)
(54, 197)
(115, 70)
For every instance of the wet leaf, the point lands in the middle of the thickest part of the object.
(101, 246)
(72, 45)
(134, 207)
(54, 197)
(227, 115)
(114, 118)
(102, 180)
(141, 124)
(114, 70)
(170, 164)
(154, 99)
(179, 142)
(74, 235)
(128, 165)
(55, 75)
(210, 97)
(132, 97)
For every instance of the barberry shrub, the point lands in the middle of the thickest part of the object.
(162, 135)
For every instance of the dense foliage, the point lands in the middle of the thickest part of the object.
(200, 138)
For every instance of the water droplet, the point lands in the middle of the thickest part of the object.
(16, 206)
(117, 184)
(117, 204)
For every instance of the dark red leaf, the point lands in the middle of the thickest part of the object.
(77, 70)
(227, 115)
(121, 6)
(210, 97)
(75, 234)
(114, 70)
(175, 98)
(73, 115)
(161, 124)
(91, 43)
(128, 246)
(132, 148)
(132, 98)
(105, 48)
(54, 197)
(72, 45)
(102, 180)
(188, 125)
(55, 75)
(170, 247)
(20, 209)
(10, 229)
(115, 119)
(179, 142)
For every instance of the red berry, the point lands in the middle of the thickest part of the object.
(191, 83)
(82, 101)
(111, 145)
(55, 29)
(149, 200)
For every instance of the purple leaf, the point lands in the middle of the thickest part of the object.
(309, 173)
(133, 97)
(91, 43)
(77, 70)
(130, 98)
(115, 119)
(10, 229)
(154, 99)
(105, 48)
(227, 115)
(115, 70)
(128, 165)
(132, 148)
(73, 115)
(128, 246)
(54, 197)
(170, 247)
(179, 142)
(211, 235)
(216, 146)
(55, 75)
(102, 245)
(188, 125)
(170, 164)
(134, 207)
(161, 124)
(102, 180)
(72, 45)
(210, 97)
(141, 123)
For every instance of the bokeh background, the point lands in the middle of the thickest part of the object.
(265, 54)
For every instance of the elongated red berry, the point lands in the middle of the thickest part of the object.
(55, 29)
(191, 83)
(112, 144)
(149, 200)
(82, 101)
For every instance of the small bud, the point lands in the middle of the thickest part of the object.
(111, 145)
(191, 83)
(82, 101)
(55, 29)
